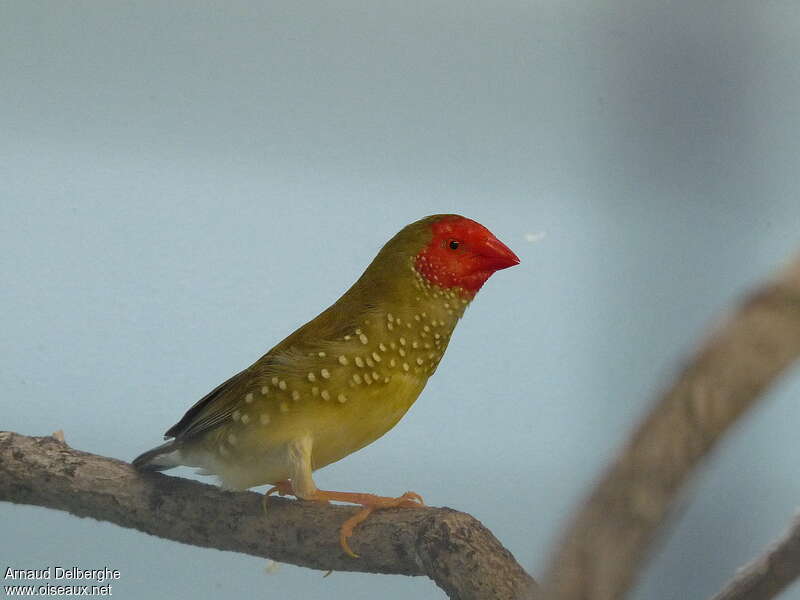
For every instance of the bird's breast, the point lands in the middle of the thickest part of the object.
(377, 373)
(343, 393)
(367, 415)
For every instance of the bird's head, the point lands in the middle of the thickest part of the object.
(461, 253)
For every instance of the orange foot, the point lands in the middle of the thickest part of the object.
(368, 502)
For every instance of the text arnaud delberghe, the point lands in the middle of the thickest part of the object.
(53, 572)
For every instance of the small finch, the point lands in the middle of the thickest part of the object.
(345, 378)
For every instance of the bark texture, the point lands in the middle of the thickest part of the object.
(454, 549)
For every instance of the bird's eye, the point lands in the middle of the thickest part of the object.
(453, 244)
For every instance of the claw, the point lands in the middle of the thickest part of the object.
(282, 488)
(348, 526)
(411, 500)
(369, 503)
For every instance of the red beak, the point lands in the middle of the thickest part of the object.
(498, 254)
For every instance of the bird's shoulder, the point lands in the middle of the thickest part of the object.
(308, 348)
(217, 406)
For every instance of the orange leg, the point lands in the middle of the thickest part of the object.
(368, 502)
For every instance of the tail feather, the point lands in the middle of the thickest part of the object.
(160, 458)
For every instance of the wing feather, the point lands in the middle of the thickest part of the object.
(211, 410)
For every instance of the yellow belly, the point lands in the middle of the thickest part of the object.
(259, 456)
(339, 395)
(342, 430)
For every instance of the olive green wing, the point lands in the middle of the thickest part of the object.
(219, 404)
(212, 409)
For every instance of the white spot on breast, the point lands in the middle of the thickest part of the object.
(419, 361)
(343, 360)
(321, 354)
(376, 357)
(264, 419)
(295, 395)
(232, 439)
(284, 407)
(370, 364)
(341, 398)
(389, 326)
(326, 395)
(389, 317)
(415, 344)
(367, 379)
(325, 374)
(363, 338)
(402, 341)
(264, 390)
(402, 352)
(236, 415)
(245, 419)
(375, 376)
(315, 391)
(249, 397)
(357, 378)
(405, 366)
(311, 377)
(359, 362)
(393, 363)
(274, 381)
(282, 384)
(382, 347)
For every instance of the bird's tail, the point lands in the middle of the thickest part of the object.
(160, 458)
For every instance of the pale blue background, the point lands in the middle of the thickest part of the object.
(185, 183)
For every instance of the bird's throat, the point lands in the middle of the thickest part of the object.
(419, 323)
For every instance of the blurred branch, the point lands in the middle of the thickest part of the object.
(606, 543)
(452, 548)
(599, 556)
(769, 574)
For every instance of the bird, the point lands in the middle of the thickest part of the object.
(346, 377)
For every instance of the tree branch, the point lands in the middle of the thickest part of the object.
(769, 574)
(599, 555)
(452, 548)
(606, 543)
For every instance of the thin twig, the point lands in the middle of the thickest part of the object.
(769, 574)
